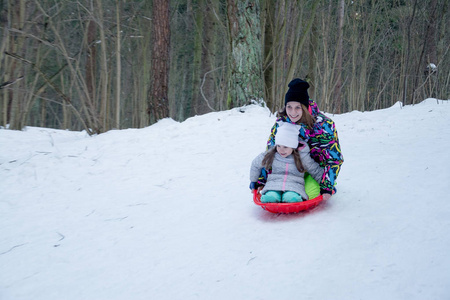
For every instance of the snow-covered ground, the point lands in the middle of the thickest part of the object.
(165, 212)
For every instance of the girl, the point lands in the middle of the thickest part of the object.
(288, 164)
(316, 129)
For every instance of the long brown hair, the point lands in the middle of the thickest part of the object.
(306, 118)
(270, 155)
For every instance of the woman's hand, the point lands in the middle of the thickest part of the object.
(252, 186)
(326, 196)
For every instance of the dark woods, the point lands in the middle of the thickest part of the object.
(100, 64)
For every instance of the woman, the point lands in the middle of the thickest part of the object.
(316, 129)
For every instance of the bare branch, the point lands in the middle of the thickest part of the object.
(11, 82)
(201, 87)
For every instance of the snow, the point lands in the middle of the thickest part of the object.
(165, 212)
(432, 67)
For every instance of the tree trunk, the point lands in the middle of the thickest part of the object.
(198, 16)
(104, 81)
(158, 93)
(312, 55)
(13, 97)
(268, 25)
(246, 83)
(207, 96)
(407, 59)
(91, 58)
(118, 65)
(339, 50)
(430, 53)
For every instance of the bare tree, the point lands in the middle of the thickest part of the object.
(118, 64)
(158, 93)
(207, 97)
(338, 66)
(246, 82)
(428, 59)
(91, 57)
(12, 96)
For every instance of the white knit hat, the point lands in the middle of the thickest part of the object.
(287, 135)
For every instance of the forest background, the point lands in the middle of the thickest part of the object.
(97, 65)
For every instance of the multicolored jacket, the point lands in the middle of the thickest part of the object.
(324, 143)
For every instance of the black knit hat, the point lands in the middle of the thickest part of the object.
(298, 91)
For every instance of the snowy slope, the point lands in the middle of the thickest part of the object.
(165, 212)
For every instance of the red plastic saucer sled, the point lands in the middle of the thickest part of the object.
(286, 208)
